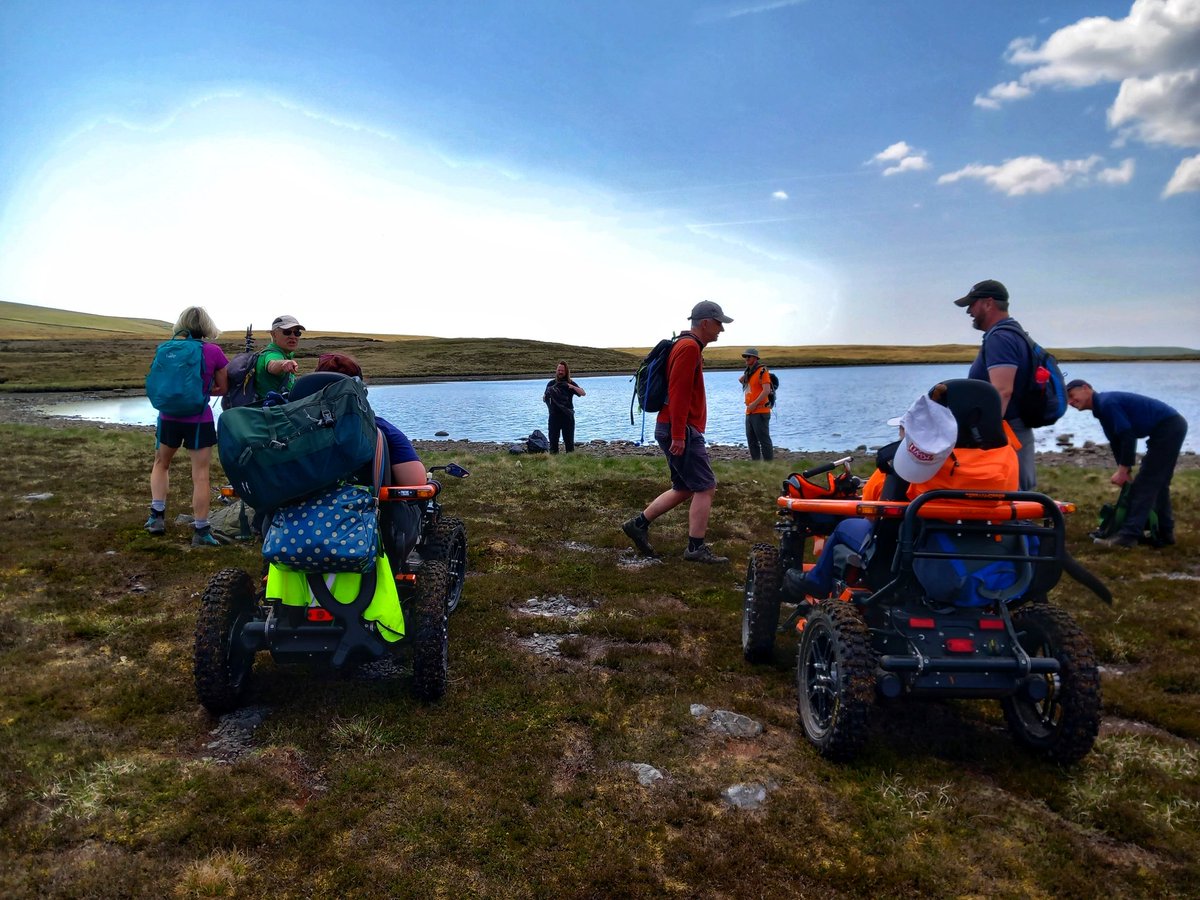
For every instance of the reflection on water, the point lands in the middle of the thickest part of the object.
(833, 408)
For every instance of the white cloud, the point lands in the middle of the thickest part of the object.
(1152, 53)
(1164, 109)
(752, 9)
(779, 195)
(1185, 179)
(906, 158)
(908, 164)
(1002, 93)
(898, 150)
(1026, 174)
(1122, 174)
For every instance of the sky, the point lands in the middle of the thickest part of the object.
(829, 172)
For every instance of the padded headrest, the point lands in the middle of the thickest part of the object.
(307, 385)
(976, 408)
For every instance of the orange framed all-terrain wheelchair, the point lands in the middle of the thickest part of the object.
(394, 602)
(948, 600)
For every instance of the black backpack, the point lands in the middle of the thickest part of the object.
(242, 389)
(774, 387)
(650, 379)
(1042, 400)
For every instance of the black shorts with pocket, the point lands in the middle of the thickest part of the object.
(192, 435)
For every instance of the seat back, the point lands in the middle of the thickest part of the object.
(976, 408)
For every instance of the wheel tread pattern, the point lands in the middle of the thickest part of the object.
(431, 633)
(1072, 739)
(228, 596)
(855, 657)
(760, 604)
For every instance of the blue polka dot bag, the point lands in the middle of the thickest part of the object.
(336, 530)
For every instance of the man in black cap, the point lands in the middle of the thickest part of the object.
(1005, 360)
(1125, 417)
(680, 433)
(756, 384)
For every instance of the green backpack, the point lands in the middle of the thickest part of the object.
(1112, 517)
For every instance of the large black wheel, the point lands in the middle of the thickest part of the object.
(835, 679)
(760, 604)
(430, 636)
(448, 543)
(221, 664)
(1063, 725)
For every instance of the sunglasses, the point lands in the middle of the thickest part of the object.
(291, 332)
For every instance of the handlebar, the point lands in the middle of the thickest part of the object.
(828, 467)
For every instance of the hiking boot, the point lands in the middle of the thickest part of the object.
(639, 536)
(157, 523)
(203, 537)
(704, 554)
(1117, 541)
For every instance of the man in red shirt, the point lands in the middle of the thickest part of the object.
(680, 433)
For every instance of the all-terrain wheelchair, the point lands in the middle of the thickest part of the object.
(952, 603)
(398, 608)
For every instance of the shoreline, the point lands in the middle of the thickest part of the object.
(27, 408)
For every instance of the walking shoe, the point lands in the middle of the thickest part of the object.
(157, 523)
(1119, 541)
(203, 537)
(704, 554)
(639, 536)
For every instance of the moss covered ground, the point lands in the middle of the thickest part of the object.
(114, 782)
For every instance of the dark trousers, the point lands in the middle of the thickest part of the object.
(1152, 486)
(758, 436)
(565, 423)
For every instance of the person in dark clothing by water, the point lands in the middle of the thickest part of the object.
(1125, 417)
(559, 396)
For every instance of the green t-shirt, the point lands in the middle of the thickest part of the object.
(264, 381)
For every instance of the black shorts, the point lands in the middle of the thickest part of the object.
(192, 435)
(691, 471)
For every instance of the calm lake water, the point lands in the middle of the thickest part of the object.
(835, 408)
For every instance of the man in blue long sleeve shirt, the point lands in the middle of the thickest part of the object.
(1126, 417)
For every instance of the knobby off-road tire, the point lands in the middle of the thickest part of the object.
(760, 604)
(221, 665)
(835, 679)
(1063, 726)
(448, 543)
(431, 639)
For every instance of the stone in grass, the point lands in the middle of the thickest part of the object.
(749, 797)
(726, 722)
(647, 775)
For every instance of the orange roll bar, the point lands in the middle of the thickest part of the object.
(979, 508)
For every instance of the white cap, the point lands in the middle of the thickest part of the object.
(929, 435)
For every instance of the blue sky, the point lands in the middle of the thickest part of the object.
(830, 172)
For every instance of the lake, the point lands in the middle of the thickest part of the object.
(833, 408)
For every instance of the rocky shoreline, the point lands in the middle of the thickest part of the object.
(37, 409)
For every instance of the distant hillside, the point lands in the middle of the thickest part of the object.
(21, 321)
(1152, 352)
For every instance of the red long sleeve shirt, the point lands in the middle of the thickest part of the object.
(686, 403)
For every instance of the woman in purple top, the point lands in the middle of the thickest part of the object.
(197, 433)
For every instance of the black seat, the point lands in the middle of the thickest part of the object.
(976, 408)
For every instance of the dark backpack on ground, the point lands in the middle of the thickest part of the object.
(650, 379)
(537, 442)
(175, 383)
(241, 380)
(1042, 400)
(1112, 517)
(278, 454)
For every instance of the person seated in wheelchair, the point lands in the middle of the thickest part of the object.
(952, 438)
(402, 521)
